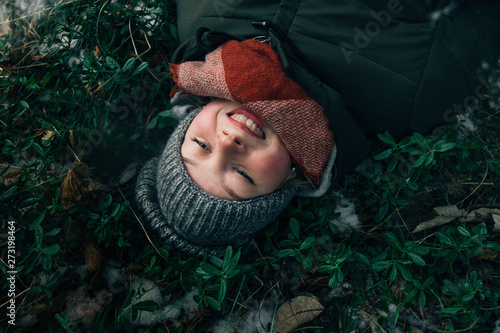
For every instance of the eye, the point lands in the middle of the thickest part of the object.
(242, 173)
(201, 144)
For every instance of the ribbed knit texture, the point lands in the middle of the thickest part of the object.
(251, 74)
(192, 220)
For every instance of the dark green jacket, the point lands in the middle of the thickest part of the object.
(373, 65)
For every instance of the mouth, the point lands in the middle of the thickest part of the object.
(249, 121)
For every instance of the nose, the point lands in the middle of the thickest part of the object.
(231, 142)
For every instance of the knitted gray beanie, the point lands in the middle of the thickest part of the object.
(192, 220)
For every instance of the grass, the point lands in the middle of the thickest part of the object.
(84, 102)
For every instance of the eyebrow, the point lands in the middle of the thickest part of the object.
(223, 185)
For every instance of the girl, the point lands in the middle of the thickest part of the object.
(283, 79)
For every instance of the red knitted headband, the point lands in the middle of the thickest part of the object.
(251, 74)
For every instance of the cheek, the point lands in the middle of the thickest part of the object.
(274, 165)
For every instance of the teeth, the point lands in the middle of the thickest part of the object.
(249, 123)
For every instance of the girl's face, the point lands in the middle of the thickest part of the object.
(230, 153)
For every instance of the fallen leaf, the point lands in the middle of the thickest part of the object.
(450, 211)
(296, 312)
(484, 213)
(435, 222)
(81, 169)
(11, 176)
(93, 257)
(72, 190)
(94, 185)
(97, 52)
(446, 215)
(48, 135)
(496, 219)
(72, 139)
(488, 255)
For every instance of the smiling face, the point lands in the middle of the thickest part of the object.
(231, 153)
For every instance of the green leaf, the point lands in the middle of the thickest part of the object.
(428, 282)
(213, 303)
(382, 212)
(393, 163)
(38, 236)
(295, 227)
(418, 249)
(391, 239)
(210, 269)
(38, 220)
(53, 232)
(430, 158)
(228, 255)
(51, 250)
(24, 105)
(421, 140)
(27, 145)
(361, 258)
(419, 161)
(46, 79)
(405, 272)
(383, 155)
(381, 265)
(129, 64)
(112, 63)
(411, 294)
(232, 262)
(464, 231)
(148, 306)
(166, 113)
(140, 68)
(442, 146)
(417, 259)
(63, 320)
(451, 311)
(222, 290)
(286, 253)
(393, 274)
(288, 243)
(443, 238)
(216, 261)
(387, 138)
(308, 242)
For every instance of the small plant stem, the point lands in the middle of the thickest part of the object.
(142, 226)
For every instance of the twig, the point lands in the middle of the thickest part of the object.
(142, 226)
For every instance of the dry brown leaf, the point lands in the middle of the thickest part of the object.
(446, 215)
(97, 52)
(496, 219)
(81, 169)
(488, 255)
(11, 176)
(450, 211)
(483, 212)
(435, 222)
(296, 312)
(93, 257)
(94, 185)
(72, 190)
(48, 135)
(72, 139)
